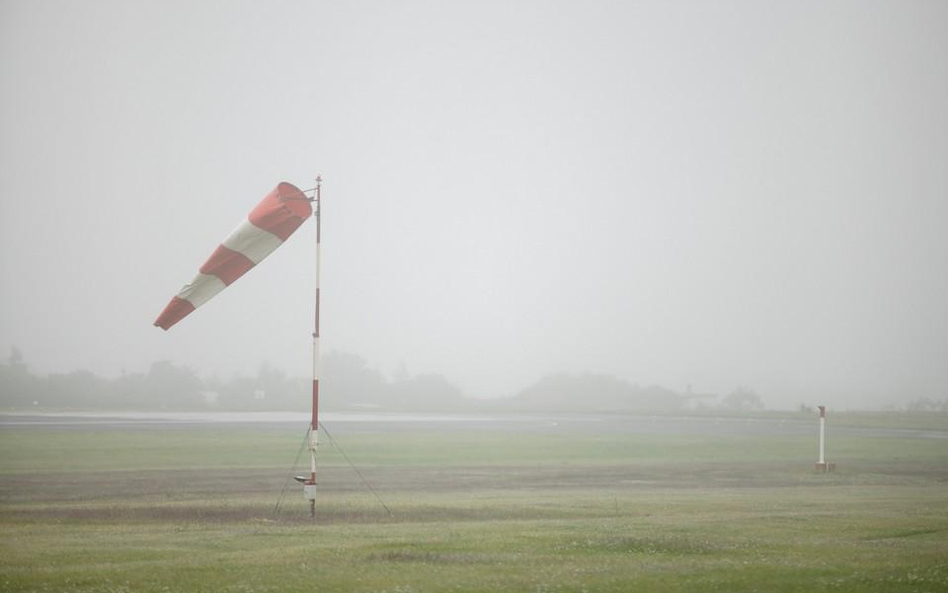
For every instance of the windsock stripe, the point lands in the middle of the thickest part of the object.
(252, 241)
(175, 311)
(283, 215)
(226, 264)
(201, 289)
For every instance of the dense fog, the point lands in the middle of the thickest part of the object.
(719, 198)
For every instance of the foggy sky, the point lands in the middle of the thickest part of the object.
(705, 194)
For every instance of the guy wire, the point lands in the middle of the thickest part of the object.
(333, 442)
(286, 484)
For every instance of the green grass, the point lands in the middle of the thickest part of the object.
(849, 540)
(77, 449)
(192, 509)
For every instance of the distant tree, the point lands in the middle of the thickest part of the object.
(926, 404)
(16, 357)
(401, 372)
(18, 387)
(347, 380)
(277, 391)
(742, 399)
(590, 391)
(426, 392)
(130, 391)
(237, 393)
(78, 389)
(271, 389)
(172, 387)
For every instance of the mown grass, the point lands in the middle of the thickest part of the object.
(88, 449)
(727, 540)
(193, 510)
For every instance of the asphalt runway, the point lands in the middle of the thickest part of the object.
(371, 422)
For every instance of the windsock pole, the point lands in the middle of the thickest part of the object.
(309, 487)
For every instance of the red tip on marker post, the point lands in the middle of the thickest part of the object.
(822, 411)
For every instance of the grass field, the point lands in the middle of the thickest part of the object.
(193, 509)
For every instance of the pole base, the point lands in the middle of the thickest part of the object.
(825, 467)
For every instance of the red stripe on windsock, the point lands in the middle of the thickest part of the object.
(226, 264)
(176, 310)
(282, 211)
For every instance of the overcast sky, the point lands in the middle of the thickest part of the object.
(710, 194)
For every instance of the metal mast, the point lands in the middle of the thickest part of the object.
(309, 487)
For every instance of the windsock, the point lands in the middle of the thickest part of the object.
(267, 226)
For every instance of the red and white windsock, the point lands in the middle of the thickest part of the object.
(267, 226)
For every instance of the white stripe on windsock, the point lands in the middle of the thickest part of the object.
(252, 242)
(201, 289)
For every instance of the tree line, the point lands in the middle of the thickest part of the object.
(347, 383)
(170, 386)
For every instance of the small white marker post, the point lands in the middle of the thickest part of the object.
(821, 465)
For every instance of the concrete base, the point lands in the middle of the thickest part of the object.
(825, 467)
